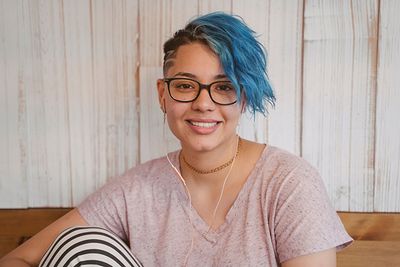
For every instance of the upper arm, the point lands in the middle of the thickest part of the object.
(326, 258)
(34, 248)
(305, 220)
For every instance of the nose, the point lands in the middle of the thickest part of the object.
(203, 102)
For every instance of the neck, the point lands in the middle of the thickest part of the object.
(209, 165)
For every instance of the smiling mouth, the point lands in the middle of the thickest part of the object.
(203, 124)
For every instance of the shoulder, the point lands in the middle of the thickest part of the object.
(289, 177)
(154, 166)
(303, 218)
(144, 174)
(285, 163)
(282, 173)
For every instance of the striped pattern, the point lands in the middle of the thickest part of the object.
(88, 246)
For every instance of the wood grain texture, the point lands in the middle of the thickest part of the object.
(284, 43)
(47, 106)
(387, 153)
(372, 226)
(377, 240)
(180, 13)
(81, 103)
(13, 145)
(17, 225)
(151, 32)
(253, 13)
(363, 105)
(73, 94)
(339, 96)
(70, 92)
(377, 235)
(370, 254)
(115, 63)
(206, 6)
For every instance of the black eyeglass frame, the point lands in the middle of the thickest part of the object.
(201, 85)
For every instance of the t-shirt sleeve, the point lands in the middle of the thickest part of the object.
(106, 208)
(305, 221)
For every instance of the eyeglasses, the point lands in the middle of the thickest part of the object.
(188, 90)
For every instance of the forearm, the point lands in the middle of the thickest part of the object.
(14, 262)
(31, 251)
(326, 258)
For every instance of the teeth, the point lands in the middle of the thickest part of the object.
(203, 124)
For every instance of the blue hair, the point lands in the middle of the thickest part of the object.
(242, 56)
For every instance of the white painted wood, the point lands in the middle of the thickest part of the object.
(155, 137)
(207, 6)
(253, 13)
(175, 15)
(387, 164)
(152, 32)
(158, 21)
(104, 135)
(75, 110)
(338, 97)
(102, 91)
(130, 70)
(81, 103)
(363, 105)
(115, 63)
(47, 125)
(284, 42)
(13, 183)
(182, 11)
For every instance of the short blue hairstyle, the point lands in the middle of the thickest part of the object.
(242, 56)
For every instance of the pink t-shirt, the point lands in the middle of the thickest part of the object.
(281, 212)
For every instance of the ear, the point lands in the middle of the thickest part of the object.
(161, 94)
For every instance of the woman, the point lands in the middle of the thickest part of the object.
(220, 200)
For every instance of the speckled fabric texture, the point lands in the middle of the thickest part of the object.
(282, 212)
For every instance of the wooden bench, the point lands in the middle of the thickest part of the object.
(377, 240)
(376, 235)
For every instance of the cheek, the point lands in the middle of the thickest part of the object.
(174, 110)
(174, 114)
(234, 114)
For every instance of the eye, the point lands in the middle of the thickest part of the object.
(183, 85)
(224, 87)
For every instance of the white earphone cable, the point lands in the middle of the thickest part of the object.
(190, 196)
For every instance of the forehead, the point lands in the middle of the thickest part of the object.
(195, 58)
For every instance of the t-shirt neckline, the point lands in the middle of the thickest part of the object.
(197, 221)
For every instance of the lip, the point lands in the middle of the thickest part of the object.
(203, 126)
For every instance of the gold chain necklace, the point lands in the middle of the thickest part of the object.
(223, 166)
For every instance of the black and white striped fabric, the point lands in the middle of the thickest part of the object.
(88, 246)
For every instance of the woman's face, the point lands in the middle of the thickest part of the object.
(201, 125)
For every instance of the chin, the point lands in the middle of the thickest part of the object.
(197, 146)
(202, 143)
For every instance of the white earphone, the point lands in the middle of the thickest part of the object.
(190, 207)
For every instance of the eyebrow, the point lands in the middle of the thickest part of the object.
(191, 75)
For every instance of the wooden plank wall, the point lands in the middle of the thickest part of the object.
(387, 155)
(78, 93)
(340, 46)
